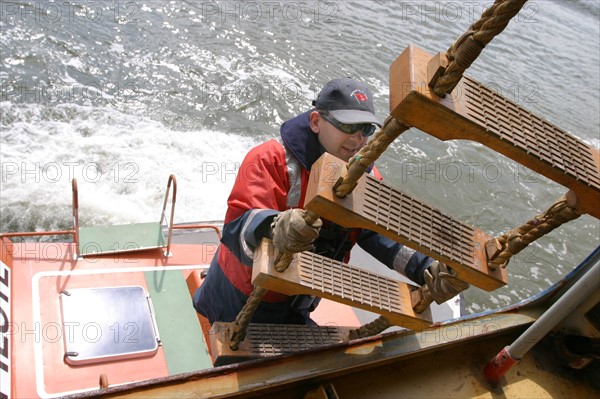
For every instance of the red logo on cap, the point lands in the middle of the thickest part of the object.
(359, 95)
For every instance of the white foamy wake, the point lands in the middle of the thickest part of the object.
(121, 162)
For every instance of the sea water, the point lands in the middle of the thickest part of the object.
(121, 94)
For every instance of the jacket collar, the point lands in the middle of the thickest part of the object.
(300, 139)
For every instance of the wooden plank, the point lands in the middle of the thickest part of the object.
(378, 207)
(474, 112)
(313, 274)
(268, 340)
(312, 367)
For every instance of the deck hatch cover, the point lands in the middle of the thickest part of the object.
(110, 323)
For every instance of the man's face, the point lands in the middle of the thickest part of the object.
(336, 142)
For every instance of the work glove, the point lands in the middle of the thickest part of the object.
(442, 282)
(291, 233)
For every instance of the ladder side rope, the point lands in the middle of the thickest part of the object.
(460, 56)
(502, 248)
(373, 328)
(243, 318)
(357, 166)
(467, 48)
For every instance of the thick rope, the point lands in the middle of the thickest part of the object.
(373, 328)
(468, 47)
(357, 166)
(514, 241)
(243, 318)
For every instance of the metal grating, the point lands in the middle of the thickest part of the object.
(530, 133)
(267, 340)
(274, 339)
(419, 223)
(348, 282)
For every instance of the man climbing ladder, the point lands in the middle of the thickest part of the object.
(266, 201)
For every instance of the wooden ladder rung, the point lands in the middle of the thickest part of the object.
(317, 275)
(475, 112)
(383, 209)
(266, 340)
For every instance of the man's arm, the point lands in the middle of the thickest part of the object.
(404, 260)
(441, 282)
(258, 195)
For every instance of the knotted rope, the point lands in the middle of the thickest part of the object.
(515, 240)
(467, 48)
(460, 56)
(357, 166)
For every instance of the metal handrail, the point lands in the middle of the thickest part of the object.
(37, 233)
(75, 216)
(27, 234)
(75, 231)
(199, 226)
(174, 181)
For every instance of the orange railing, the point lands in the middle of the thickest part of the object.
(163, 216)
(199, 226)
(75, 231)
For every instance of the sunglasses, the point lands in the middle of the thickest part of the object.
(367, 129)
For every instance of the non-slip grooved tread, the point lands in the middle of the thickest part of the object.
(418, 222)
(474, 112)
(376, 206)
(531, 133)
(345, 281)
(266, 340)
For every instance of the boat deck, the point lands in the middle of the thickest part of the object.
(41, 333)
(444, 361)
(456, 372)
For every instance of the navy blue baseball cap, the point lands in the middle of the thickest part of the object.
(348, 101)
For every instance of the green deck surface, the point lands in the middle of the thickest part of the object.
(180, 331)
(120, 238)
